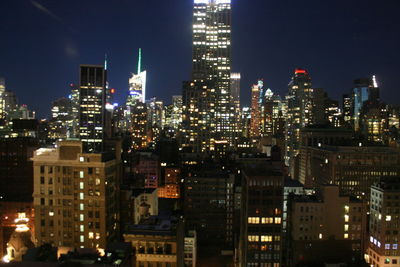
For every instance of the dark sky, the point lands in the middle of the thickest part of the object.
(42, 43)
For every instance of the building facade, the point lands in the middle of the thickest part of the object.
(211, 72)
(92, 112)
(383, 247)
(75, 196)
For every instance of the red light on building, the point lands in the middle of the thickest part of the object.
(300, 71)
(112, 90)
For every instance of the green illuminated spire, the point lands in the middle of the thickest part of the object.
(139, 61)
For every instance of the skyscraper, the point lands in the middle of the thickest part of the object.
(92, 107)
(137, 84)
(211, 73)
(256, 91)
(2, 101)
(75, 196)
(300, 105)
(365, 89)
(235, 89)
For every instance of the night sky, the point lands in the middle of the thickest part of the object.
(42, 43)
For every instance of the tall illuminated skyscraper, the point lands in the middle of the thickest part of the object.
(135, 113)
(211, 77)
(365, 89)
(300, 111)
(256, 92)
(137, 84)
(92, 97)
(2, 101)
(235, 89)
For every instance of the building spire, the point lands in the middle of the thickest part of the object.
(105, 61)
(139, 61)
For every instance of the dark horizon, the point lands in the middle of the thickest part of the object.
(45, 42)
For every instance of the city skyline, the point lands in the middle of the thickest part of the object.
(361, 40)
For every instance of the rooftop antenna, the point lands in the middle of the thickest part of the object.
(139, 61)
(105, 61)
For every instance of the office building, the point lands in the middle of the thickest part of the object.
(256, 101)
(261, 213)
(2, 100)
(346, 107)
(326, 228)
(137, 84)
(211, 72)
(76, 196)
(208, 208)
(353, 168)
(138, 125)
(364, 89)
(155, 118)
(235, 89)
(61, 124)
(92, 112)
(300, 113)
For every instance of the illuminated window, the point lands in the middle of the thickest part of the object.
(346, 218)
(346, 227)
(81, 174)
(278, 220)
(81, 196)
(82, 159)
(81, 206)
(346, 209)
(97, 235)
(91, 235)
(81, 217)
(81, 185)
(346, 236)
(81, 228)
(266, 238)
(320, 236)
(253, 238)
(254, 220)
(267, 220)
(82, 238)
(388, 218)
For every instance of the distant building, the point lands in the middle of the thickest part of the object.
(137, 84)
(148, 166)
(300, 113)
(171, 187)
(256, 101)
(92, 112)
(364, 89)
(353, 168)
(61, 124)
(76, 196)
